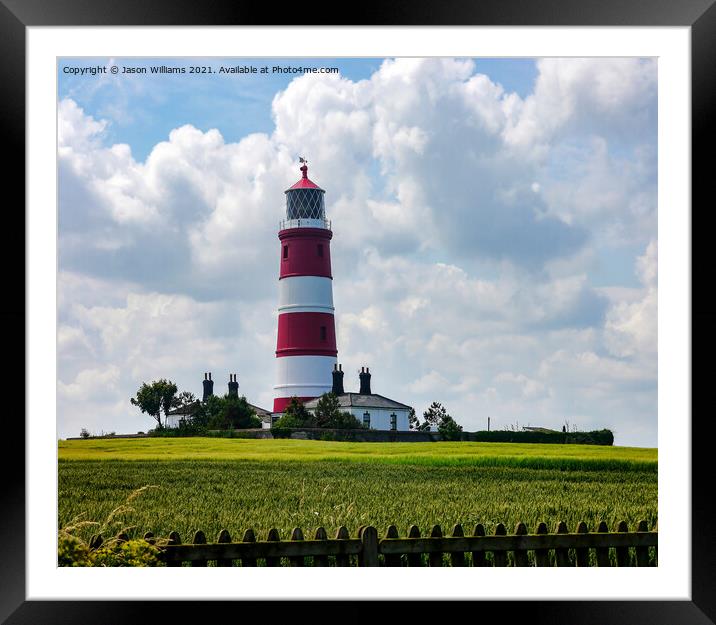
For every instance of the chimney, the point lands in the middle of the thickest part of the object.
(364, 381)
(208, 387)
(337, 380)
(233, 386)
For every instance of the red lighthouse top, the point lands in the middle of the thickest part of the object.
(304, 182)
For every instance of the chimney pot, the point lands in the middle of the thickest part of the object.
(337, 388)
(208, 386)
(364, 382)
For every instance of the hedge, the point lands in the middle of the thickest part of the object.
(596, 437)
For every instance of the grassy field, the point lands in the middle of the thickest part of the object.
(211, 484)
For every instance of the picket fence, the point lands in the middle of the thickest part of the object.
(561, 548)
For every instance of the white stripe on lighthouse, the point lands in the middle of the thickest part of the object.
(305, 294)
(298, 390)
(303, 372)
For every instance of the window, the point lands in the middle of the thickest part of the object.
(320, 250)
(323, 333)
(366, 419)
(393, 422)
(285, 251)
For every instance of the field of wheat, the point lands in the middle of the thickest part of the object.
(235, 484)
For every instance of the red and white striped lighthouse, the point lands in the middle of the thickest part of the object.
(306, 347)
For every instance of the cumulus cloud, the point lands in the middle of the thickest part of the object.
(631, 326)
(464, 219)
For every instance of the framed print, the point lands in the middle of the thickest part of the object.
(461, 198)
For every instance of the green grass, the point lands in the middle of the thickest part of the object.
(523, 455)
(211, 484)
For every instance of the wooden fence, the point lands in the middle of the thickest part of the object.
(561, 548)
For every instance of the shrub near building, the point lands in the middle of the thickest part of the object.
(326, 415)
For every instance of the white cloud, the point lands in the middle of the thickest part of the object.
(631, 327)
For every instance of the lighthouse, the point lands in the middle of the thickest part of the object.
(306, 346)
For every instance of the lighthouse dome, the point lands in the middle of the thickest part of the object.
(304, 200)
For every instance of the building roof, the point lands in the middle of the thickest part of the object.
(356, 400)
(260, 412)
(184, 410)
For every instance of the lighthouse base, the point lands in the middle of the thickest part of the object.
(280, 403)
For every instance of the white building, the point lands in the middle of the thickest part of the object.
(374, 411)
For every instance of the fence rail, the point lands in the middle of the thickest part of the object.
(561, 548)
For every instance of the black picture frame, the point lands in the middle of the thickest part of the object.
(700, 15)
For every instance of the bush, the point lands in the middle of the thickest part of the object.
(449, 430)
(330, 415)
(280, 432)
(84, 433)
(597, 437)
(73, 551)
(295, 416)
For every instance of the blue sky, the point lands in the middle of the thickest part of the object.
(494, 232)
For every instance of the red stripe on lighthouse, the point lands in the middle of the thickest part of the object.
(306, 334)
(305, 252)
(280, 403)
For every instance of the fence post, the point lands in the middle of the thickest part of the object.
(500, 557)
(562, 555)
(174, 539)
(623, 558)
(273, 537)
(199, 539)
(369, 554)
(249, 537)
(582, 552)
(342, 559)
(521, 554)
(320, 560)
(435, 558)
(457, 558)
(392, 559)
(414, 559)
(478, 557)
(297, 534)
(603, 552)
(542, 555)
(224, 537)
(642, 553)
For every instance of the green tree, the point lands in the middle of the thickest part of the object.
(155, 397)
(239, 414)
(449, 429)
(223, 413)
(413, 420)
(329, 414)
(296, 416)
(207, 411)
(183, 400)
(433, 416)
(327, 409)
